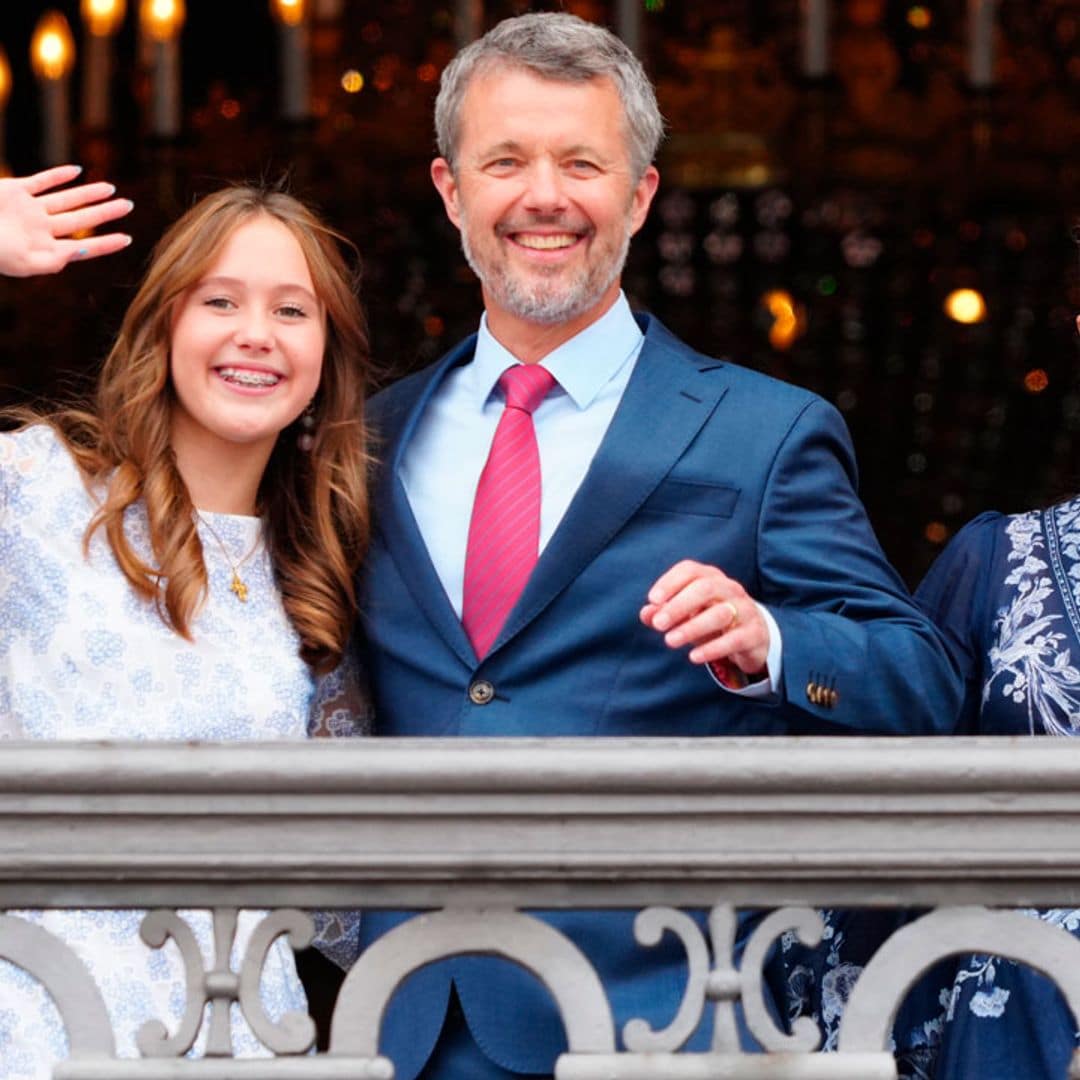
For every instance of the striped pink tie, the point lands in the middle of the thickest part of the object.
(504, 533)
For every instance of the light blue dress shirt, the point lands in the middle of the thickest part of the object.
(442, 463)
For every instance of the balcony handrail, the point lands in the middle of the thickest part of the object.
(542, 822)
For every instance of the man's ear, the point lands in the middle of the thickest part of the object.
(442, 176)
(643, 197)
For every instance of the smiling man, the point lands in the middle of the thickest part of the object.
(585, 527)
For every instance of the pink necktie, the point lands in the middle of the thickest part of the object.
(504, 533)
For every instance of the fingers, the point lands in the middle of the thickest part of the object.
(668, 584)
(696, 605)
(687, 588)
(89, 217)
(93, 247)
(50, 178)
(58, 202)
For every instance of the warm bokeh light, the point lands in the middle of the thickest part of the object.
(936, 532)
(52, 48)
(103, 17)
(352, 82)
(162, 19)
(289, 12)
(5, 79)
(919, 18)
(1036, 381)
(787, 317)
(965, 306)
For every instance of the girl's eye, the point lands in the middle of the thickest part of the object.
(292, 311)
(223, 303)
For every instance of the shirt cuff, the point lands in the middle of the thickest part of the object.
(735, 682)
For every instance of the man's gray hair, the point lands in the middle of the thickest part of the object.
(556, 46)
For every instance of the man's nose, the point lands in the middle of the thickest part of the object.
(546, 191)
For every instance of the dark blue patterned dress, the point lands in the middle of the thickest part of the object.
(1006, 594)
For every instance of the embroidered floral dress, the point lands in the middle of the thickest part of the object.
(82, 657)
(1006, 594)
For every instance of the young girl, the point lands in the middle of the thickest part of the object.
(177, 559)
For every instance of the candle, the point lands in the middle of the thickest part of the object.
(981, 44)
(628, 23)
(291, 16)
(468, 21)
(5, 94)
(815, 38)
(161, 21)
(101, 18)
(52, 56)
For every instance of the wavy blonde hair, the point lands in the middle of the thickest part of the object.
(314, 503)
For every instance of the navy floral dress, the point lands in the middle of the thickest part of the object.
(1006, 594)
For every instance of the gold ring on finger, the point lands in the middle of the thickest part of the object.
(734, 615)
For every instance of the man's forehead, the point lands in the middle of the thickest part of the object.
(497, 70)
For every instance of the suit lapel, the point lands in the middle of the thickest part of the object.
(395, 521)
(664, 407)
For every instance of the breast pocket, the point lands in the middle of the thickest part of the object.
(691, 497)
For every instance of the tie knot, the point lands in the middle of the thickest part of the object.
(526, 385)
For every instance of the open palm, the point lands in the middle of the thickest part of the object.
(37, 223)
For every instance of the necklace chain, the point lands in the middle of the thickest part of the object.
(237, 586)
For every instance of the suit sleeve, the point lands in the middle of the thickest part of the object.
(859, 655)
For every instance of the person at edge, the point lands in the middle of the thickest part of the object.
(704, 564)
(1005, 594)
(178, 556)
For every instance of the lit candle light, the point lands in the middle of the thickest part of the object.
(815, 38)
(5, 94)
(102, 18)
(52, 56)
(981, 43)
(291, 17)
(161, 21)
(965, 306)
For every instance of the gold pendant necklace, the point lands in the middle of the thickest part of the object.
(238, 587)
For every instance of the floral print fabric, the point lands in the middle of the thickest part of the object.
(1006, 594)
(82, 657)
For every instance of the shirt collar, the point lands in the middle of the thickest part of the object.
(582, 365)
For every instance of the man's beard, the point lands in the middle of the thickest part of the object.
(544, 301)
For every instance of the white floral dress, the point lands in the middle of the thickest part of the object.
(82, 657)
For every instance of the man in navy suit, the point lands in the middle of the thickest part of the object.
(703, 564)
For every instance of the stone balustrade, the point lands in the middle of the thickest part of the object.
(476, 832)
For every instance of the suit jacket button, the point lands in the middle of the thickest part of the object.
(834, 697)
(481, 692)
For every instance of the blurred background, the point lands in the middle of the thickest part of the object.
(876, 199)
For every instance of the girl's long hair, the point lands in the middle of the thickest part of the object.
(314, 503)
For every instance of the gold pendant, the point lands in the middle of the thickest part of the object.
(239, 588)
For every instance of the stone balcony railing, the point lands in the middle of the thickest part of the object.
(478, 830)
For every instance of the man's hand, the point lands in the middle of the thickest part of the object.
(36, 222)
(700, 606)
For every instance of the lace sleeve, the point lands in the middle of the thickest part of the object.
(341, 706)
(340, 709)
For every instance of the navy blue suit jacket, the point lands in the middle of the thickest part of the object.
(703, 460)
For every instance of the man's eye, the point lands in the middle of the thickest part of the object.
(583, 166)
